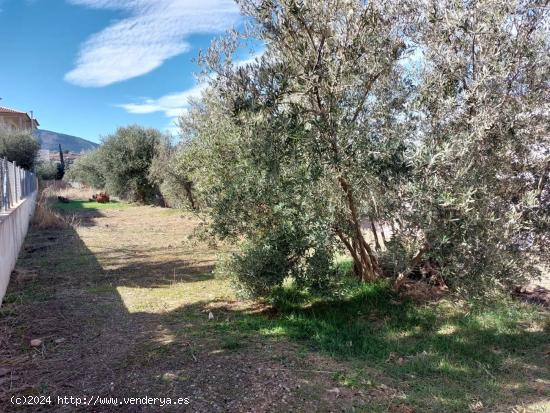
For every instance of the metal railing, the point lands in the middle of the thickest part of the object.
(15, 184)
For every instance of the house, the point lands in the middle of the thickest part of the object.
(16, 120)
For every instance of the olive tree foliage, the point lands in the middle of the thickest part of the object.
(122, 164)
(284, 223)
(47, 170)
(308, 126)
(426, 115)
(476, 201)
(19, 146)
(88, 170)
(126, 157)
(168, 171)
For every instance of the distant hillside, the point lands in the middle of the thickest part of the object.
(51, 140)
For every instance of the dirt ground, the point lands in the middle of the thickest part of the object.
(120, 307)
(122, 303)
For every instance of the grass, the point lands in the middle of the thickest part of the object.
(441, 357)
(76, 205)
(129, 291)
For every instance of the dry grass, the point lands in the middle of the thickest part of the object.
(67, 190)
(122, 305)
(45, 216)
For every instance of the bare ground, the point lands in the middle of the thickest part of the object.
(120, 302)
(121, 307)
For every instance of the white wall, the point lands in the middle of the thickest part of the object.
(13, 228)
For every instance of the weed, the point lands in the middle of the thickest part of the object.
(231, 343)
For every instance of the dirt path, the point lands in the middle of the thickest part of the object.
(121, 306)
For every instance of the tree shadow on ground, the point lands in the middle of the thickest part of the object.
(94, 345)
(378, 352)
(460, 359)
(85, 218)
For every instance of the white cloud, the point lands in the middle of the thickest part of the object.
(155, 31)
(174, 104)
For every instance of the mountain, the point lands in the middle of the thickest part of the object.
(50, 140)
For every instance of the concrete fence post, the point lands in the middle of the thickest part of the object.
(7, 184)
(2, 192)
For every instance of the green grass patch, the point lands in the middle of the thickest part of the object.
(79, 205)
(442, 356)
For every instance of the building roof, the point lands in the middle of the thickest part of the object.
(8, 110)
(16, 112)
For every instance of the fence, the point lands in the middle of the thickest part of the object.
(15, 184)
(18, 192)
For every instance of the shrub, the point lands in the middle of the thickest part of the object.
(256, 269)
(169, 172)
(47, 170)
(122, 165)
(126, 158)
(19, 146)
(88, 170)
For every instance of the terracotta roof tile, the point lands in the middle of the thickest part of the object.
(8, 110)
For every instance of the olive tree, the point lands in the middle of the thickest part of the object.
(126, 157)
(480, 164)
(122, 165)
(316, 123)
(168, 171)
(88, 169)
(19, 146)
(429, 115)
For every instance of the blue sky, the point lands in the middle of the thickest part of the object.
(86, 67)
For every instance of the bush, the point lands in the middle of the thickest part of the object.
(265, 262)
(20, 147)
(47, 170)
(122, 164)
(126, 158)
(88, 170)
(168, 171)
(256, 269)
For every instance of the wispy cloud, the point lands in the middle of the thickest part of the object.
(174, 104)
(155, 31)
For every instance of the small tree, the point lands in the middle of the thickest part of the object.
(60, 165)
(47, 170)
(126, 158)
(168, 171)
(88, 170)
(430, 116)
(19, 146)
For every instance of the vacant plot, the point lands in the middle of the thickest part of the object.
(126, 305)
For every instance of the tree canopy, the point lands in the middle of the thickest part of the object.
(19, 146)
(121, 165)
(429, 118)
